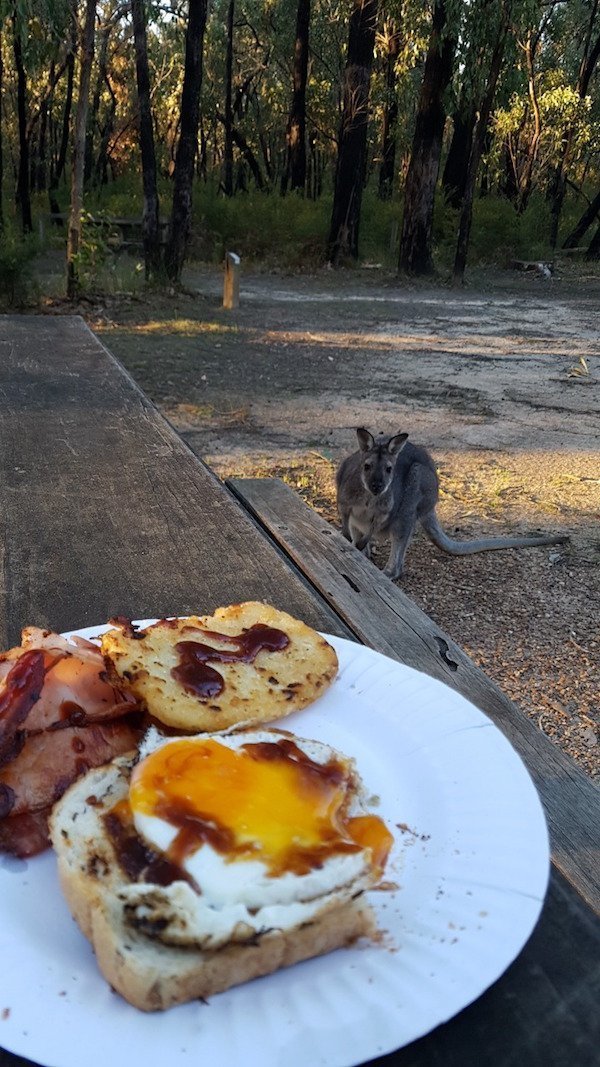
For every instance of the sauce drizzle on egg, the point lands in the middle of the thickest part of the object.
(266, 801)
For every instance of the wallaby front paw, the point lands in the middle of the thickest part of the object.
(393, 572)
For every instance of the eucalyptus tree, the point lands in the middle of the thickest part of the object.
(1, 134)
(57, 168)
(583, 19)
(228, 112)
(183, 176)
(503, 12)
(78, 151)
(22, 191)
(352, 142)
(421, 180)
(390, 38)
(294, 173)
(150, 218)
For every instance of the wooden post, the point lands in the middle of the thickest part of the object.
(231, 287)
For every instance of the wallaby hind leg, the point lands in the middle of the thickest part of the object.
(400, 542)
(405, 522)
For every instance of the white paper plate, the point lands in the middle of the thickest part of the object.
(471, 861)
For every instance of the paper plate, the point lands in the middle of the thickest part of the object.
(471, 865)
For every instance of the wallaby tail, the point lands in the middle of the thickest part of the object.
(433, 530)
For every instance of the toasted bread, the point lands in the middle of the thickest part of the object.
(267, 680)
(134, 925)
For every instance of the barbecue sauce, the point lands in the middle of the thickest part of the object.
(267, 801)
(138, 861)
(205, 682)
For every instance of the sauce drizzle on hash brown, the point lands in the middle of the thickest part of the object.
(276, 682)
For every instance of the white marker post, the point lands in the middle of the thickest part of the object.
(231, 287)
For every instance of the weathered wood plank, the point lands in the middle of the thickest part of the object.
(382, 616)
(103, 508)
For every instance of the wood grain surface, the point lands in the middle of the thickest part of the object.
(104, 509)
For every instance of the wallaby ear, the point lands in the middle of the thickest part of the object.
(396, 443)
(365, 439)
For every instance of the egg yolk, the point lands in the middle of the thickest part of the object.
(265, 801)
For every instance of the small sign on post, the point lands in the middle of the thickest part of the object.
(231, 287)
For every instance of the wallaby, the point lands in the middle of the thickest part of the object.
(390, 485)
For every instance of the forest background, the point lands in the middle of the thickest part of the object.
(299, 131)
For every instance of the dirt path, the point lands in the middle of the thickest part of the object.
(503, 386)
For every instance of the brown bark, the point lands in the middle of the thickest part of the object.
(454, 178)
(351, 160)
(22, 192)
(294, 172)
(74, 234)
(421, 180)
(479, 138)
(150, 219)
(181, 213)
(390, 117)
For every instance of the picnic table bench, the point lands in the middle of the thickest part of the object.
(123, 231)
(103, 507)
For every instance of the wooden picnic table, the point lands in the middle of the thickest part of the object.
(104, 510)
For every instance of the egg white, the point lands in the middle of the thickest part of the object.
(239, 899)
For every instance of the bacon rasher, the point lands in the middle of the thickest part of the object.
(59, 716)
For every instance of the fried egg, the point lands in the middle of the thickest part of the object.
(269, 829)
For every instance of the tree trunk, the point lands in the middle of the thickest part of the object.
(526, 181)
(591, 54)
(41, 169)
(181, 214)
(150, 221)
(66, 123)
(228, 144)
(477, 147)
(100, 174)
(454, 178)
(93, 119)
(1, 142)
(22, 192)
(421, 180)
(579, 231)
(390, 117)
(593, 251)
(294, 172)
(74, 235)
(241, 143)
(351, 160)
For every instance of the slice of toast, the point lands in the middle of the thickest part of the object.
(149, 973)
(254, 675)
